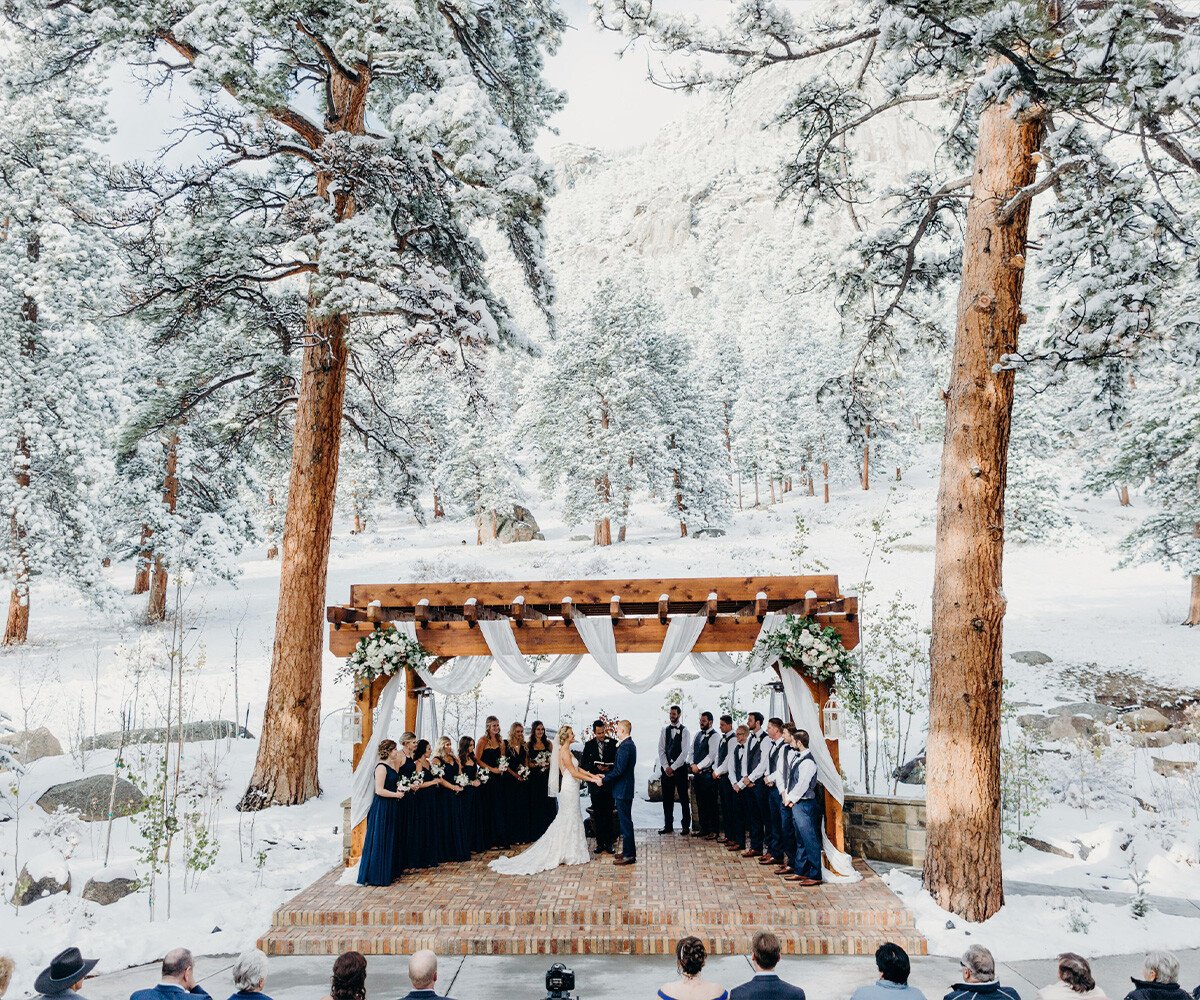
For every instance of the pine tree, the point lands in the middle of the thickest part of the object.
(55, 376)
(1039, 96)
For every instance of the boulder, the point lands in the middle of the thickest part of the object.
(708, 533)
(33, 744)
(1031, 657)
(1036, 723)
(89, 797)
(1069, 727)
(519, 526)
(1145, 720)
(106, 888)
(1099, 713)
(1173, 768)
(46, 874)
(912, 772)
(1045, 847)
(193, 732)
(1156, 741)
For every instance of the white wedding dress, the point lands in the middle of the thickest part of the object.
(564, 843)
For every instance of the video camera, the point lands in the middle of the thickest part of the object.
(560, 981)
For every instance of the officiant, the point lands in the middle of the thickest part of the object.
(599, 755)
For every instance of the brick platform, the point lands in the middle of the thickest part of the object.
(679, 886)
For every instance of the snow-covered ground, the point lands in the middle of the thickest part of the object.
(1067, 600)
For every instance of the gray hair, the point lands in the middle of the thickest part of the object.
(979, 960)
(422, 969)
(176, 962)
(250, 970)
(1163, 964)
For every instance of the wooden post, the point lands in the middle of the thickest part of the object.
(365, 702)
(412, 699)
(827, 492)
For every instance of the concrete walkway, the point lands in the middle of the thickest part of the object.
(612, 977)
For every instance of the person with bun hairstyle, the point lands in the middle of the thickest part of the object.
(1074, 982)
(690, 955)
(380, 864)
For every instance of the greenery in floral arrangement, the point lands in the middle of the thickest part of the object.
(384, 652)
(802, 644)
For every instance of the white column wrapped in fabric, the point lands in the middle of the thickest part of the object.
(498, 634)
(598, 636)
(807, 716)
(362, 784)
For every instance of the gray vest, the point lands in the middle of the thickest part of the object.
(700, 746)
(811, 791)
(723, 747)
(754, 754)
(674, 744)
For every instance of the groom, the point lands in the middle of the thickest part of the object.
(620, 779)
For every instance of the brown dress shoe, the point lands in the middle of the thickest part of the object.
(625, 861)
(766, 859)
(783, 870)
(735, 847)
(752, 853)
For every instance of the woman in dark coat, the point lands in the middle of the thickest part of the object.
(380, 864)
(542, 808)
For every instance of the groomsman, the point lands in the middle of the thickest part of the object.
(776, 777)
(756, 768)
(704, 759)
(735, 818)
(674, 755)
(725, 744)
(803, 798)
(599, 755)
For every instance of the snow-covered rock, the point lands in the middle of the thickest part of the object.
(1145, 720)
(107, 887)
(1031, 657)
(90, 797)
(44, 874)
(34, 744)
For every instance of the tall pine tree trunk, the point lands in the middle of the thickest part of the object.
(285, 770)
(1193, 617)
(156, 608)
(141, 577)
(962, 865)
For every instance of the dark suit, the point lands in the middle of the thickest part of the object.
(620, 779)
(601, 752)
(423, 995)
(766, 986)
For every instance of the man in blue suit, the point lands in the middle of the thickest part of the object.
(620, 778)
(178, 979)
(765, 985)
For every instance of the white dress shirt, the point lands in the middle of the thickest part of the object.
(764, 743)
(711, 757)
(804, 774)
(685, 748)
(726, 766)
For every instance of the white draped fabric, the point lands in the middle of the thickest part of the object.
(598, 636)
(362, 784)
(498, 634)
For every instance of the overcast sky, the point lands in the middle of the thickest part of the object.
(612, 105)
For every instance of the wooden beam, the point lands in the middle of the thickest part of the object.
(567, 611)
(518, 611)
(553, 635)
(760, 606)
(470, 612)
(711, 611)
(421, 613)
(599, 592)
(664, 605)
(614, 608)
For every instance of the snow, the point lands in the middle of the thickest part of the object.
(48, 865)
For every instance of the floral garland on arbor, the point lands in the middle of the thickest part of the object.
(804, 645)
(384, 652)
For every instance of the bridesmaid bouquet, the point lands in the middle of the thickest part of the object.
(541, 759)
(502, 763)
(437, 769)
(522, 772)
(403, 784)
(484, 776)
(462, 780)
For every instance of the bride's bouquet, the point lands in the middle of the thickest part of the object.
(502, 763)
(541, 759)
(522, 772)
(437, 769)
(461, 780)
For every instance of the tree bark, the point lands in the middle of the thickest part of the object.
(962, 865)
(1123, 496)
(602, 532)
(156, 607)
(1193, 617)
(141, 578)
(285, 770)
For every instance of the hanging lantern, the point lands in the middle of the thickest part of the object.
(352, 725)
(778, 706)
(427, 719)
(831, 718)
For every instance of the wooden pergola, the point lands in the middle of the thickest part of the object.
(540, 612)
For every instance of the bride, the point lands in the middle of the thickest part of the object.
(564, 843)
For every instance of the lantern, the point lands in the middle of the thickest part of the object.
(427, 718)
(831, 718)
(352, 725)
(778, 705)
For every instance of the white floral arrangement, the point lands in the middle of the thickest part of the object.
(461, 780)
(804, 645)
(484, 776)
(502, 763)
(403, 784)
(542, 759)
(522, 772)
(384, 652)
(437, 769)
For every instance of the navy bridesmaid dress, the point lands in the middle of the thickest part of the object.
(402, 849)
(477, 825)
(424, 841)
(516, 796)
(495, 818)
(380, 864)
(542, 808)
(454, 839)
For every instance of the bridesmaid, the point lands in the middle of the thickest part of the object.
(516, 787)
(476, 819)
(424, 835)
(402, 848)
(542, 808)
(379, 864)
(490, 749)
(449, 792)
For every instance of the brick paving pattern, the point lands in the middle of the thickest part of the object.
(679, 886)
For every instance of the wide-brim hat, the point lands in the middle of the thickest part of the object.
(66, 969)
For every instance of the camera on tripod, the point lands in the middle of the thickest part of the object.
(560, 981)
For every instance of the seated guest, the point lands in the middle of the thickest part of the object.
(1074, 981)
(178, 977)
(764, 956)
(6, 970)
(690, 955)
(422, 972)
(979, 978)
(1160, 979)
(250, 976)
(64, 975)
(349, 977)
(892, 962)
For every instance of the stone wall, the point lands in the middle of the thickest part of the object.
(885, 829)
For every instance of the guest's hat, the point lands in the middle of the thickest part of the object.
(67, 968)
